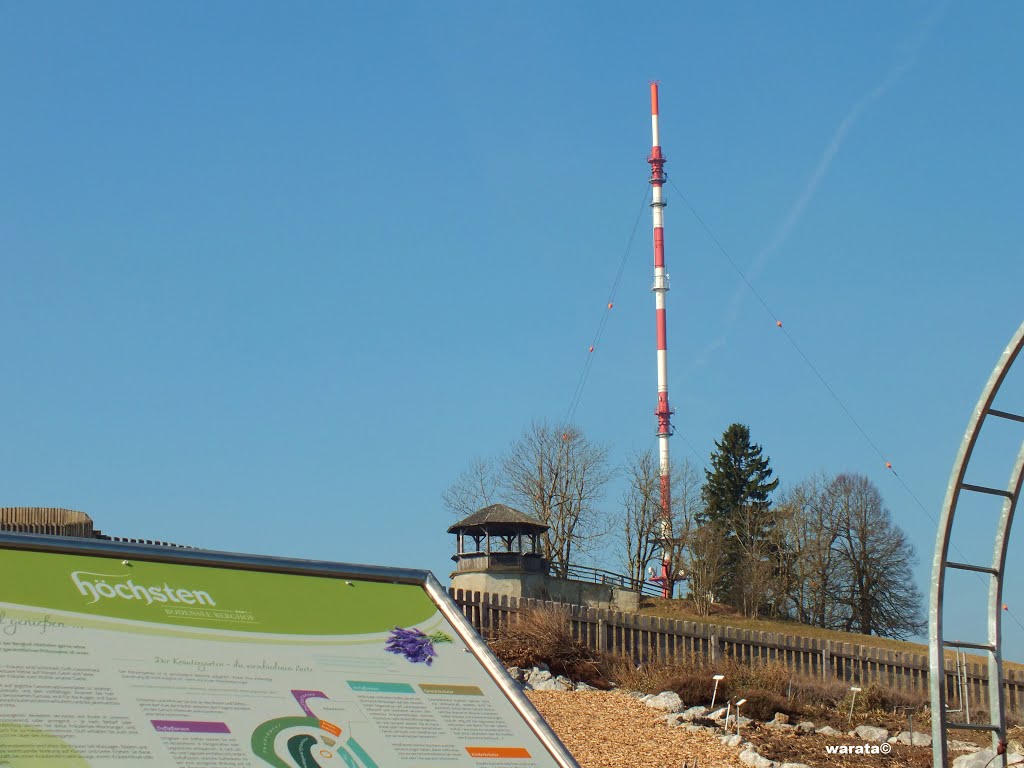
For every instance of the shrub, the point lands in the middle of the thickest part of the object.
(769, 676)
(543, 635)
(762, 705)
(815, 692)
(690, 678)
(697, 687)
(879, 697)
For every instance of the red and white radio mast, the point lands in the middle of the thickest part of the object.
(663, 411)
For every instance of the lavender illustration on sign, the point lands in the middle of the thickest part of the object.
(413, 644)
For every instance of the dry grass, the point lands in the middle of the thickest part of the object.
(768, 688)
(724, 616)
(615, 730)
(544, 636)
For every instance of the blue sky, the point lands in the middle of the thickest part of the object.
(273, 275)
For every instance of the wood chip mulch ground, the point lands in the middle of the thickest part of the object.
(614, 730)
(787, 746)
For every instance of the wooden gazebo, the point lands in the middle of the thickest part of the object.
(499, 538)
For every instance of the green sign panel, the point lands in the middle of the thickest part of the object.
(129, 659)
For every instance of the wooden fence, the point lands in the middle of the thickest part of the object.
(645, 638)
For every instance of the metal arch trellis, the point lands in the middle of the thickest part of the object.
(993, 647)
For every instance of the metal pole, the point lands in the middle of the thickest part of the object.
(940, 563)
(964, 692)
(660, 288)
(714, 693)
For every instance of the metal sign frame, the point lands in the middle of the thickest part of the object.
(325, 569)
(937, 643)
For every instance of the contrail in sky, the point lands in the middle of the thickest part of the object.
(913, 47)
(797, 211)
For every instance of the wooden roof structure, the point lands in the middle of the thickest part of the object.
(498, 520)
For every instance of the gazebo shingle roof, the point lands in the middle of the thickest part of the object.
(498, 520)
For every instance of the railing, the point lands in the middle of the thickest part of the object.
(599, 576)
(645, 638)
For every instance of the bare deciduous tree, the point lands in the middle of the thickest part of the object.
(708, 560)
(879, 594)
(642, 516)
(847, 565)
(475, 488)
(640, 513)
(558, 475)
(811, 568)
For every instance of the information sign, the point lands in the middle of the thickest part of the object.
(117, 655)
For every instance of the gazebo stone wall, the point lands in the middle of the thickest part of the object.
(498, 551)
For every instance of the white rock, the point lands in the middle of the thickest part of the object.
(537, 675)
(983, 758)
(585, 687)
(731, 721)
(779, 726)
(718, 714)
(794, 765)
(733, 741)
(694, 713)
(980, 758)
(920, 739)
(828, 730)
(699, 728)
(871, 733)
(754, 760)
(517, 674)
(780, 717)
(668, 701)
(962, 746)
(560, 683)
(544, 681)
(805, 727)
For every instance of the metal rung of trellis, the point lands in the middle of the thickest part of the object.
(995, 572)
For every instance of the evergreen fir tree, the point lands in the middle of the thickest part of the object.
(737, 505)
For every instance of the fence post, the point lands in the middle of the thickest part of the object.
(645, 639)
